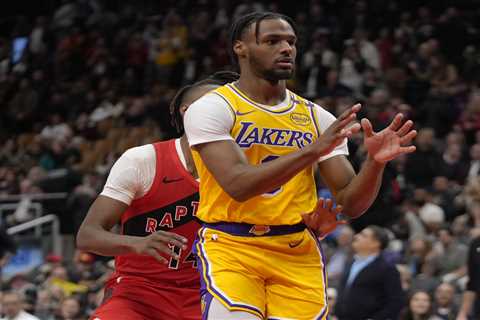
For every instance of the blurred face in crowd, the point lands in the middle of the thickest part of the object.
(70, 308)
(445, 237)
(454, 152)
(425, 138)
(60, 272)
(475, 152)
(420, 303)
(419, 247)
(444, 294)
(271, 54)
(440, 183)
(365, 242)
(11, 304)
(345, 237)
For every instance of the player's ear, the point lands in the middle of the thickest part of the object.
(240, 49)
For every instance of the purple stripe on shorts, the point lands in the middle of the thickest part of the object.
(206, 301)
(206, 281)
(319, 245)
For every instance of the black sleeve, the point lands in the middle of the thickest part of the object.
(394, 295)
(6, 243)
(474, 266)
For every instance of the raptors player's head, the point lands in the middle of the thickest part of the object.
(262, 44)
(188, 94)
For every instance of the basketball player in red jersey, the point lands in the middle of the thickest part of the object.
(151, 191)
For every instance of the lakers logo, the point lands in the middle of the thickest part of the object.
(259, 230)
(300, 119)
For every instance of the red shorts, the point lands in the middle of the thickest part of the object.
(130, 299)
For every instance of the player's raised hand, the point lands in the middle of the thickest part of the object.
(158, 243)
(391, 142)
(323, 220)
(343, 127)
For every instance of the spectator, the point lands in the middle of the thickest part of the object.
(13, 309)
(370, 287)
(71, 309)
(422, 165)
(445, 306)
(450, 256)
(419, 307)
(342, 255)
(470, 302)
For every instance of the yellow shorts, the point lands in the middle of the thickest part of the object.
(273, 277)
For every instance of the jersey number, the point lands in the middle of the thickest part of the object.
(276, 191)
(174, 263)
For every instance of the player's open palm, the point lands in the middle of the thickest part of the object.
(391, 142)
(323, 220)
(343, 127)
(159, 243)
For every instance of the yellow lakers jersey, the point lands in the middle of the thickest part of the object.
(263, 134)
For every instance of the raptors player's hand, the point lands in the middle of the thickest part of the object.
(324, 219)
(391, 142)
(343, 127)
(158, 243)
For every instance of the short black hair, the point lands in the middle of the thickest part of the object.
(218, 78)
(381, 235)
(241, 24)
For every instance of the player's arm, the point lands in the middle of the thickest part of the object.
(357, 192)
(242, 180)
(95, 233)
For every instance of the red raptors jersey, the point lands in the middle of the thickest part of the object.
(169, 205)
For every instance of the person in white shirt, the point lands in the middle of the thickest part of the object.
(12, 307)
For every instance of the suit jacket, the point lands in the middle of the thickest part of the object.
(376, 293)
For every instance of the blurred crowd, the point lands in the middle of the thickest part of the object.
(95, 78)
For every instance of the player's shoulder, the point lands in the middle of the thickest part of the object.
(321, 111)
(141, 153)
(211, 98)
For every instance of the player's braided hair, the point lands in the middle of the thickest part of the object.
(241, 24)
(218, 78)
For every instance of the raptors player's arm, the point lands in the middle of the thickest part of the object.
(130, 177)
(207, 124)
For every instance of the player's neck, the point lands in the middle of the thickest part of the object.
(187, 153)
(261, 90)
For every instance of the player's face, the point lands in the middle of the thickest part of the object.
(271, 54)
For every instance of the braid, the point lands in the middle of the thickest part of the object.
(238, 28)
(219, 78)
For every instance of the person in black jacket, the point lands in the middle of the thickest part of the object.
(370, 287)
(472, 291)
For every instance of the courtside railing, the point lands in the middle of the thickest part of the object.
(39, 222)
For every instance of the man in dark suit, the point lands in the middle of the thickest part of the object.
(370, 287)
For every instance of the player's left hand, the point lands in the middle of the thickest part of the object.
(391, 142)
(323, 220)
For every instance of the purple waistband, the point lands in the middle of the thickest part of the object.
(254, 230)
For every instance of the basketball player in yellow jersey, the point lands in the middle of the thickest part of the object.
(255, 144)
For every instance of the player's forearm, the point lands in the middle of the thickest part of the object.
(467, 303)
(102, 242)
(363, 189)
(247, 181)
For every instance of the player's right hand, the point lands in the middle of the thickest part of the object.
(159, 243)
(340, 129)
(324, 219)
